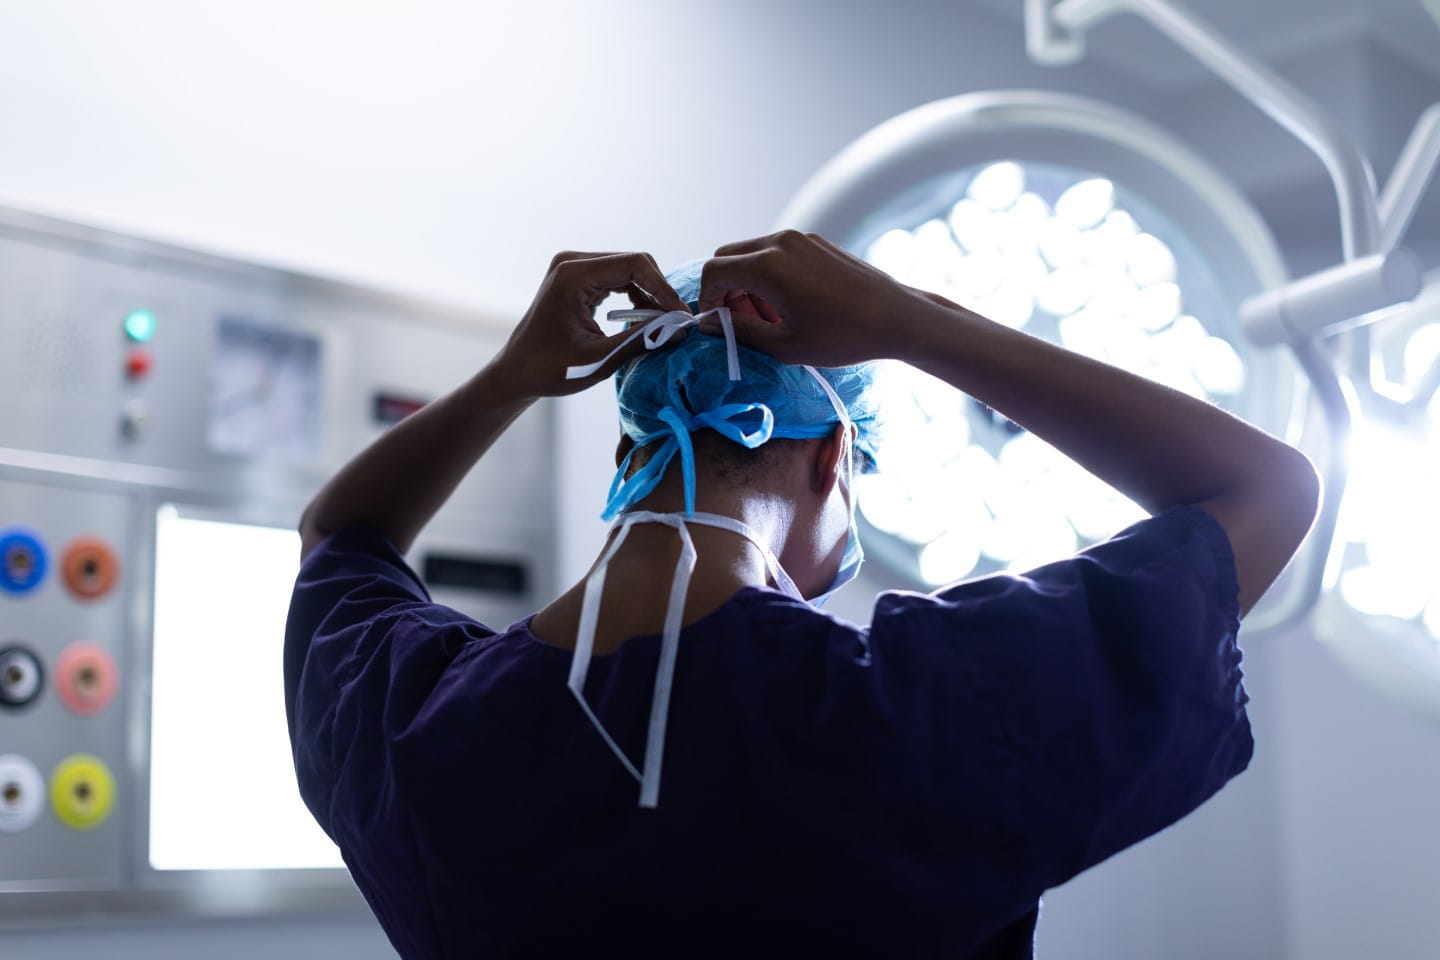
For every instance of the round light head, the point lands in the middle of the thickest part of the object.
(1077, 223)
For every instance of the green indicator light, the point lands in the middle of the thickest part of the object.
(140, 325)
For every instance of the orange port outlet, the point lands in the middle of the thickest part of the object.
(90, 568)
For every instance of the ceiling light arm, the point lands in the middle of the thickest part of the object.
(1369, 225)
(1055, 32)
(1395, 402)
(1428, 387)
(1413, 170)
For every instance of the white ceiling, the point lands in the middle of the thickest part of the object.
(1274, 29)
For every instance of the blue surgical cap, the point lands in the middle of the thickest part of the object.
(669, 393)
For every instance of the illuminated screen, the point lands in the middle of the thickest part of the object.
(222, 784)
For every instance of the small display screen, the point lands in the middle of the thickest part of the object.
(265, 392)
(222, 784)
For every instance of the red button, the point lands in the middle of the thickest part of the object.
(137, 364)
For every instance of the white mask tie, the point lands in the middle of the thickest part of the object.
(669, 637)
(659, 327)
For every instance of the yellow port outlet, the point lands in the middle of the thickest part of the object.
(82, 791)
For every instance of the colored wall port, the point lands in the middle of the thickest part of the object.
(22, 793)
(89, 568)
(86, 678)
(22, 560)
(82, 791)
(22, 676)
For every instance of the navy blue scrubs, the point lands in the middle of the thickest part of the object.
(907, 790)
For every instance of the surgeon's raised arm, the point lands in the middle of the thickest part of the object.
(804, 300)
(397, 484)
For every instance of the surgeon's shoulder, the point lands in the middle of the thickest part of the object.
(1175, 563)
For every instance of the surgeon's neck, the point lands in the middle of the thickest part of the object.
(723, 557)
(637, 581)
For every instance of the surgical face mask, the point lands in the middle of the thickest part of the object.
(850, 562)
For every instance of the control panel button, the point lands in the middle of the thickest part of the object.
(22, 560)
(82, 792)
(140, 325)
(89, 568)
(132, 418)
(21, 677)
(138, 363)
(22, 793)
(85, 678)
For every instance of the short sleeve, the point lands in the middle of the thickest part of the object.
(1101, 696)
(364, 647)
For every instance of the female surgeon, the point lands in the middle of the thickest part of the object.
(906, 789)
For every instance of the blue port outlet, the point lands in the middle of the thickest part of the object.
(22, 560)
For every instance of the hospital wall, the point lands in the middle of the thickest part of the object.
(1324, 847)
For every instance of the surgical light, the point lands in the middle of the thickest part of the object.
(1076, 223)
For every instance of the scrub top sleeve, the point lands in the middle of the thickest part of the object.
(1101, 695)
(358, 608)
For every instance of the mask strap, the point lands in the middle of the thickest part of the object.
(669, 648)
(585, 643)
(669, 638)
(657, 330)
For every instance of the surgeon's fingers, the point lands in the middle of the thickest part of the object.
(762, 306)
(747, 272)
(757, 266)
(787, 239)
(738, 266)
(565, 256)
(769, 338)
(739, 286)
(749, 307)
(641, 300)
(753, 245)
(838, 250)
(595, 278)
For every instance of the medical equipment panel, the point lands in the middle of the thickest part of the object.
(168, 415)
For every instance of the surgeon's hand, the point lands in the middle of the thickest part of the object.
(801, 299)
(559, 330)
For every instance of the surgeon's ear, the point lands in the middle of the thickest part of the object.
(826, 462)
(623, 448)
